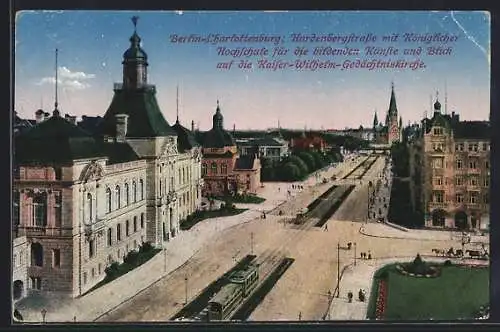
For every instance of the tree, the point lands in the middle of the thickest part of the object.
(290, 172)
(300, 164)
(308, 160)
(319, 159)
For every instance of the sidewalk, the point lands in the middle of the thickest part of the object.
(359, 277)
(89, 307)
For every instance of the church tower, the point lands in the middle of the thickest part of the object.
(392, 118)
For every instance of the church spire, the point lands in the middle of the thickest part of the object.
(218, 119)
(375, 120)
(393, 110)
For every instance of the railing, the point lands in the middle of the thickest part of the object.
(120, 86)
(44, 231)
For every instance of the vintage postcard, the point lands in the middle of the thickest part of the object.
(197, 166)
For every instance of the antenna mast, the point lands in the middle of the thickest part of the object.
(445, 98)
(177, 101)
(56, 101)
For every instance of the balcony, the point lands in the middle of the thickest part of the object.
(119, 86)
(44, 231)
(435, 205)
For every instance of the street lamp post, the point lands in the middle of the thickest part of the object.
(43, 312)
(338, 270)
(251, 242)
(186, 283)
(164, 260)
(354, 253)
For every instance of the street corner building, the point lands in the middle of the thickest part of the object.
(84, 198)
(450, 165)
(224, 170)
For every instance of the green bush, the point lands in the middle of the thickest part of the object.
(112, 271)
(145, 247)
(132, 258)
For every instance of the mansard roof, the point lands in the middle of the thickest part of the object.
(185, 138)
(55, 140)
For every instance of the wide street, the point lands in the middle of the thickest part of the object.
(157, 290)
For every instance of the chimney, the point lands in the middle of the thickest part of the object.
(192, 126)
(121, 127)
(39, 116)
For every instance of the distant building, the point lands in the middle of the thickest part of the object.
(390, 131)
(84, 199)
(450, 165)
(274, 149)
(224, 171)
(313, 142)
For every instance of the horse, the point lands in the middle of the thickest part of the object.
(474, 253)
(439, 252)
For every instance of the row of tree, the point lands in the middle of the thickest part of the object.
(298, 165)
(400, 160)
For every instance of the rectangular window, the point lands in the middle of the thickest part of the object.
(459, 164)
(36, 283)
(127, 228)
(486, 182)
(135, 224)
(487, 164)
(110, 237)
(473, 181)
(459, 181)
(472, 164)
(438, 181)
(118, 232)
(91, 248)
(438, 197)
(84, 278)
(142, 220)
(56, 257)
(485, 146)
(469, 146)
(473, 197)
(459, 198)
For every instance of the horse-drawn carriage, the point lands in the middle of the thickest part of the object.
(459, 253)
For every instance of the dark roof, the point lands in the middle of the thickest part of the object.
(227, 154)
(55, 140)
(461, 129)
(244, 162)
(89, 123)
(145, 117)
(393, 110)
(185, 137)
(118, 152)
(473, 129)
(267, 141)
(217, 138)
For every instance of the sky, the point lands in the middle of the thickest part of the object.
(91, 44)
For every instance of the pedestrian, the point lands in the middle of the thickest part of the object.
(361, 255)
(279, 189)
(369, 255)
(326, 227)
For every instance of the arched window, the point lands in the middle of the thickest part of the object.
(127, 195)
(108, 200)
(36, 254)
(40, 209)
(141, 188)
(203, 169)
(89, 207)
(117, 197)
(134, 192)
(214, 168)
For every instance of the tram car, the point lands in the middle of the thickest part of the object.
(240, 285)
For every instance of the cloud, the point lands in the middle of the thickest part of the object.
(67, 79)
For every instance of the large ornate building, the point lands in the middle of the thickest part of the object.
(451, 159)
(85, 199)
(391, 131)
(224, 171)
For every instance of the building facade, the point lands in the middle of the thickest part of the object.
(84, 200)
(271, 148)
(224, 171)
(455, 171)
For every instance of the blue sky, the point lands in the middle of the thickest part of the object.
(91, 44)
